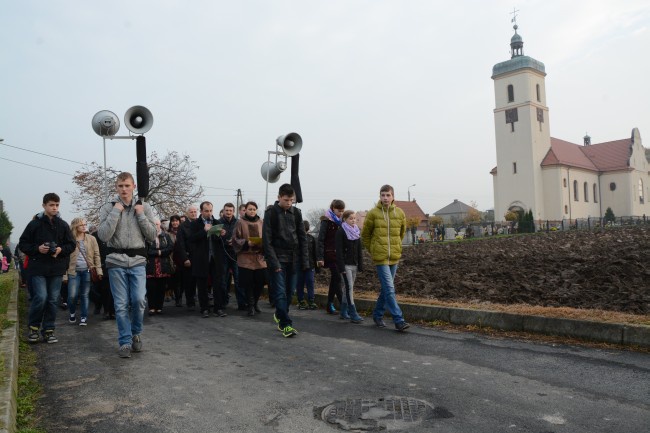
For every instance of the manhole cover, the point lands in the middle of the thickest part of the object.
(387, 413)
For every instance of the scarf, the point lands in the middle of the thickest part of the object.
(352, 232)
(332, 217)
(255, 218)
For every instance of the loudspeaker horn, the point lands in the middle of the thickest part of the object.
(271, 171)
(138, 119)
(105, 123)
(290, 143)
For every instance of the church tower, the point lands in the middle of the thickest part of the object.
(522, 133)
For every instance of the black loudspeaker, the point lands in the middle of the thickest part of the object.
(142, 170)
(295, 180)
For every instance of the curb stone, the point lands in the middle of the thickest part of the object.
(613, 333)
(9, 355)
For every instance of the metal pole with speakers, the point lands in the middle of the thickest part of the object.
(138, 120)
(288, 145)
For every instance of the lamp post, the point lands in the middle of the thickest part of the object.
(409, 191)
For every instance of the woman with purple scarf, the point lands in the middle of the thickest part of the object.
(349, 261)
(326, 254)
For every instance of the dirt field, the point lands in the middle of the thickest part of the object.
(607, 271)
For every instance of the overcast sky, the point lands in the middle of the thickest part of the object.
(382, 91)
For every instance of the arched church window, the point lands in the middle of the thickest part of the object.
(564, 181)
(511, 93)
(566, 209)
(575, 190)
(641, 198)
(539, 99)
(585, 188)
(595, 193)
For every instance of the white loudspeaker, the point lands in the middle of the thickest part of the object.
(271, 171)
(290, 143)
(105, 123)
(138, 119)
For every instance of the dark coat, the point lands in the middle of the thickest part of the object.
(326, 242)
(284, 239)
(199, 245)
(311, 251)
(43, 229)
(165, 249)
(347, 252)
(229, 227)
(182, 248)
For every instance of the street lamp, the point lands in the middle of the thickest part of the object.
(409, 191)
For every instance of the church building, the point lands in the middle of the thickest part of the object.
(556, 179)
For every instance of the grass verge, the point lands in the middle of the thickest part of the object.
(6, 284)
(29, 389)
(525, 309)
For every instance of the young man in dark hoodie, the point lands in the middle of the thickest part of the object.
(285, 250)
(48, 242)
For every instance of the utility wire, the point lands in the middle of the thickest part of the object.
(36, 166)
(44, 154)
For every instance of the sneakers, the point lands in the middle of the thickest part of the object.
(49, 337)
(379, 322)
(83, 321)
(33, 335)
(275, 318)
(124, 351)
(205, 314)
(331, 309)
(402, 326)
(288, 331)
(302, 305)
(220, 313)
(72, 320)
(136, 343)
(312, 305)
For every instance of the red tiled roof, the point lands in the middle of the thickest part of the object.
(412, 210)
(613, 155)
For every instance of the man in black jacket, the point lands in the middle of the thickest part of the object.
(228, 258)
(204, 250)
(183, 256)
(48, 242)
(285, 251)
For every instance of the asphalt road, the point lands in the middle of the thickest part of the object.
(238, 374)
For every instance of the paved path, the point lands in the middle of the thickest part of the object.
(238, 374)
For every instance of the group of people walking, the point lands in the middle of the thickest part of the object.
(137, 261)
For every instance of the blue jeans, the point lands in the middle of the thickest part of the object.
(305, 278)
(386, 299)
(79, 286)
(45, 299)
(282, 282)
(129, 286)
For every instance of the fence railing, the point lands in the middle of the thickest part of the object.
(513, 227)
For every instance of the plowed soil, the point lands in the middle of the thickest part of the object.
(604, 270)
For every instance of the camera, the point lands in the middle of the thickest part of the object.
(52, 247)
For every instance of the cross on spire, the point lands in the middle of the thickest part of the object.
(514, 15)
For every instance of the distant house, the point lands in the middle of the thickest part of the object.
(454, 213)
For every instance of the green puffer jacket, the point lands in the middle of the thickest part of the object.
(382, 234)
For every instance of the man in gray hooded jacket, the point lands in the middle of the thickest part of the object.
(124, 225)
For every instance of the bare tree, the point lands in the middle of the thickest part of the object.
(313, 216)
(172, 186)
